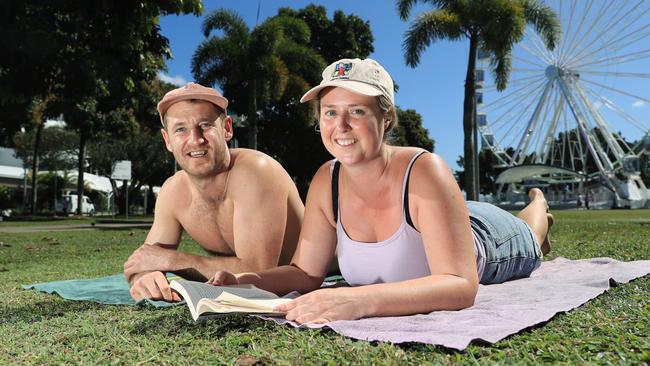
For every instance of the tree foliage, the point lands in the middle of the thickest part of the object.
(493, 26)
(151, 163)
(86, 59)
(58, 148)
(253, 67)
(410, 132)
(282, 57)
(488, 170)
(288, 132)
(343, 36)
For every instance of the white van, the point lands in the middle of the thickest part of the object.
(68, 205)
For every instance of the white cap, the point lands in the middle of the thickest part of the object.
(365, 77)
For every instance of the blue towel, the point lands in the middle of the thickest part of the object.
(112, 290)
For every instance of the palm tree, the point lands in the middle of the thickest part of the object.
(252, 67)
(492, 26)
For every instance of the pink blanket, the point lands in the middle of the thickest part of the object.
(500, 310)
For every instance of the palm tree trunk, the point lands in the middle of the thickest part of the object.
(468, 121)
(80, 171)
(252, 117)
(35, 161)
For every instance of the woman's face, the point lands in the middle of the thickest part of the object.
(351, 125)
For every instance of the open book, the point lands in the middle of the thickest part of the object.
(203, 298)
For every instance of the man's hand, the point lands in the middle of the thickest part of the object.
(153, 286)
(148, 258)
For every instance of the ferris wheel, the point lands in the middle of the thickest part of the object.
(579, 115)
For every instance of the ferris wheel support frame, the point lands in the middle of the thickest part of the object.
(607, 134)
(595, 151)
(532, 123)
(548, 139)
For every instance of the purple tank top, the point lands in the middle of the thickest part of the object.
(398, 258)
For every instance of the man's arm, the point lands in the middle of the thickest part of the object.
(143, 269)
(259, 188)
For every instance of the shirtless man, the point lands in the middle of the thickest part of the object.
(239, 204)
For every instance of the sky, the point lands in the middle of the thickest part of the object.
(435, 87)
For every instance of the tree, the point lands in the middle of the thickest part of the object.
(410, 132)
(92, 57)
(488, 172)
(492, 26)
(119, 46)
(345, 36)
(55, 150)
(288, 120)
(151, 163)
(252, 67)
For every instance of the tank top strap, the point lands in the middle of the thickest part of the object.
(334, 173)
(405, 189)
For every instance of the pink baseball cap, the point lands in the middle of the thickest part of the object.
(191, 91)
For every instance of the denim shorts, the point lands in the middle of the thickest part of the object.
(511, 250)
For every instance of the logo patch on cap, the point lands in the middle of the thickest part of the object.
(342, 70)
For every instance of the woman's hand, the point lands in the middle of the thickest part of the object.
(323, 306)
(222, 278)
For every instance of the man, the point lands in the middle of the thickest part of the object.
(238, 204)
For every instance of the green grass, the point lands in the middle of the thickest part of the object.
(37, 328)
(72, 220)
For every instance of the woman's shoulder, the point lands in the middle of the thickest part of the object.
(408, 152)
(431, 172)
(324, 172)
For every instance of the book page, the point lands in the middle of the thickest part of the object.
(192, 292)
(227, 298)
(234, 304)
(199, 290)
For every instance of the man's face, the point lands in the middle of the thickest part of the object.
(197, 135)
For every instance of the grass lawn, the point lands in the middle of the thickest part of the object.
(37, 328)
(73, 220)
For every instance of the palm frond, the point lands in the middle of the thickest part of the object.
(271, 80)
(404, 6)
(544, 20)
(429, 27)
(302, 60)
(501, 65)
(294, 28)
(233, 25)
(211, 60)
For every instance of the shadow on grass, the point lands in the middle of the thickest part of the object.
(43, 310)
(210, 327)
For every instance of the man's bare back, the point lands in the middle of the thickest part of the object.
(239, 204)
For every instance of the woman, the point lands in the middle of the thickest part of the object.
(407, 242)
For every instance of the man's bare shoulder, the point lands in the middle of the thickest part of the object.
(251, 163)
(174, 186)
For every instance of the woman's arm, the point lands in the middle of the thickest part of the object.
(440, 214)
(314, 252)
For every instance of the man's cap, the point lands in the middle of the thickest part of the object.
(191, 91)
(365, 77)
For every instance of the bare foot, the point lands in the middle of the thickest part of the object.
(546, 245)
(536, 193)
